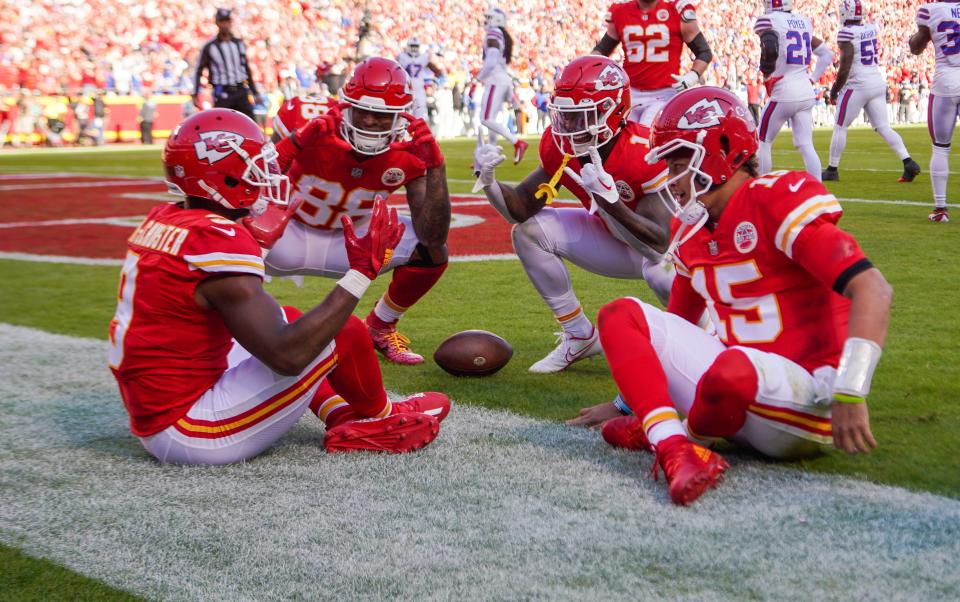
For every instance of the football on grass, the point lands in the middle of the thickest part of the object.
(473, 353)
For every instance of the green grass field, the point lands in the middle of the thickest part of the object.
(913, 405)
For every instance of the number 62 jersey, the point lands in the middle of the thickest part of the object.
(771, 270)
(651, 39)
(943, 21)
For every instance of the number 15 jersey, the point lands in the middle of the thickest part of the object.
(943, 21)
(791, 78)
(771, 268)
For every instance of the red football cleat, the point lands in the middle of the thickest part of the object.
(519, 148)
(396, 434)
(393, 345)
(939, 214)
(430, 403)
(625, 432)
(690, 468)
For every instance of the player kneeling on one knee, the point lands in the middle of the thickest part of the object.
(210, 369)
(765, 257)
(622, 228)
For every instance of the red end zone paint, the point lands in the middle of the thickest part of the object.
(90, 217)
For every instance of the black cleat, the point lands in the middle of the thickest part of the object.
(830, 174)
(910, 171)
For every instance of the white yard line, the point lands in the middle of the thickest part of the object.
(499, 507)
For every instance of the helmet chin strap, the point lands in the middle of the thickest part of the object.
(693, 217)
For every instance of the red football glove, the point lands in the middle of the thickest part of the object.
(369, 254)
(316, 131)
(422, 144)
(268, 227)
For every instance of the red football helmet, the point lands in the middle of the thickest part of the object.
(378, 85)
(223, 156)
(714, 128)
(590, 99)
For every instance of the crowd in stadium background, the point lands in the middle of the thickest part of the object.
(77, 48)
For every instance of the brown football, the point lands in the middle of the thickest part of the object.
(473, 353)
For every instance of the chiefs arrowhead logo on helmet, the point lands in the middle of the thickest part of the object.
(704, 114)
(611, 78)
(213, 146)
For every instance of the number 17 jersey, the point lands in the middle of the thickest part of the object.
(943, 21)
(791, 77)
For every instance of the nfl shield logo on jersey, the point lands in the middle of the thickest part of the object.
(704, 114)
(745, 237)
(625, 192)
(214, 146)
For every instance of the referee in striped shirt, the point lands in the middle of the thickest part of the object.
(225, 57)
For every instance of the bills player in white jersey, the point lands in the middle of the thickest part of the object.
(497, 83)
(787, 45)
(417, 64)
(861, 85)
(939, 22)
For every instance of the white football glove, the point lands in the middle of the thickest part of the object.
(595, 180)
(487, 158)
(687, 80)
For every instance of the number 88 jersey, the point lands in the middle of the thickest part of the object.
(791, 77)
(770, 268)
(296, 112)
(943, 21)
(651, 39)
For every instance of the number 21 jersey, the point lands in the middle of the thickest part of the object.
(791, 77)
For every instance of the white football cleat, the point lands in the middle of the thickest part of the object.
(570, 349)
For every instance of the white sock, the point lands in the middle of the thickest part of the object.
(765, 157)
(837, 143)
(661, 424)
(577, 325)
(894, 140)
(493, 126)
(939, 170)
(811, 160)
(385, 312)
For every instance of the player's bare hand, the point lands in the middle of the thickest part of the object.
(421, 144)
(596, 181)
(851, 428)
(268, 227)
(594, 416)
(369, 253)
(487, 158)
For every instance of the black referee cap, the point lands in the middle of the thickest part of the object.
(223, 14)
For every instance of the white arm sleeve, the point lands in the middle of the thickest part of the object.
(495, 196)
(621, 232)
(491, 57)
(824, 56)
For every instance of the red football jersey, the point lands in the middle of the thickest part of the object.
(297, 111)
(768, 267)
(651, 39)
(332, 181)
(627, 163)
(165, 350)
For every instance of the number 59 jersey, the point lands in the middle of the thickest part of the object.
(943, 21)
(771, 270)
(791, 77)
(865, 71)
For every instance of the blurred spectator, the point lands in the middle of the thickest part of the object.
(126, 46)
(148, 111)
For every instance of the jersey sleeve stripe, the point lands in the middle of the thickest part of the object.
(845, 36)
(762, 25)
(657, 183)
(227, 262)
(279, 127)
(798, 219)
